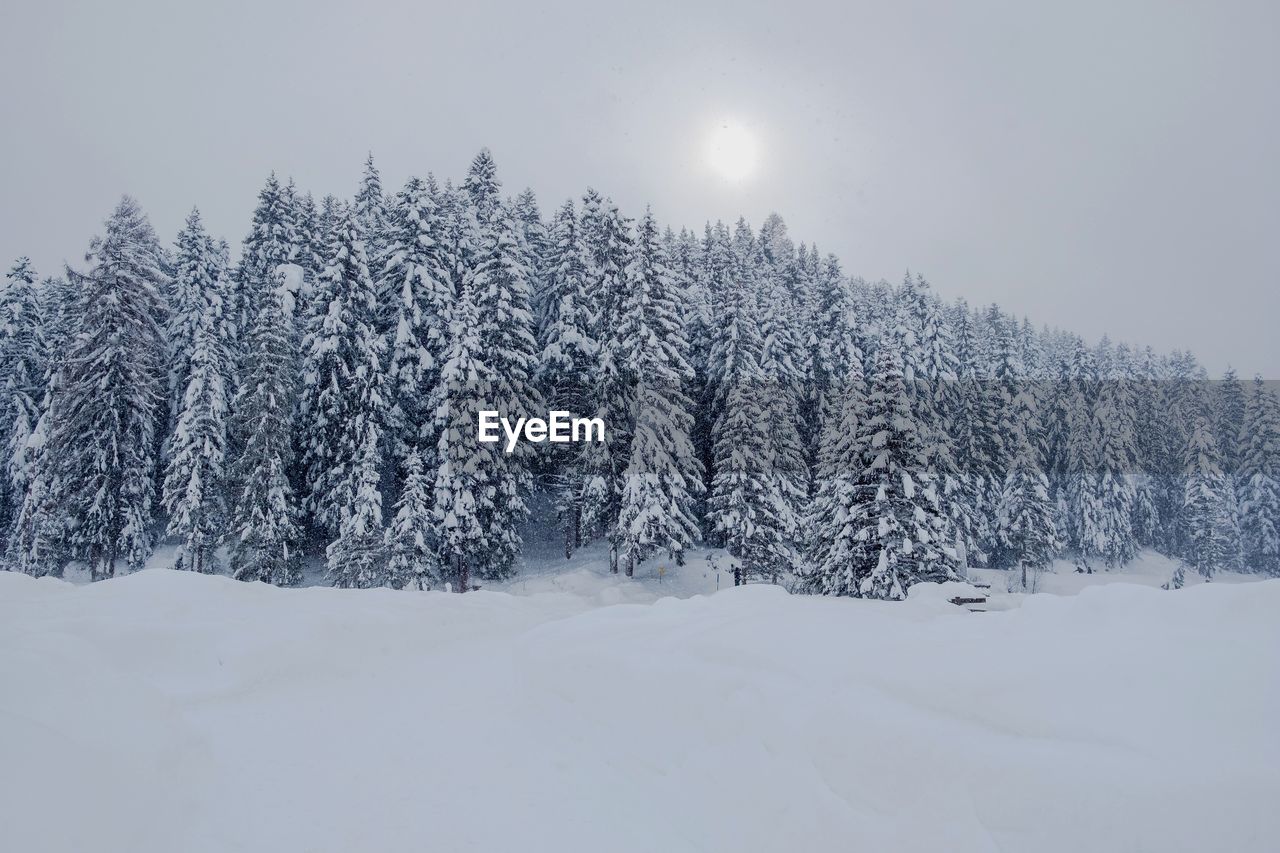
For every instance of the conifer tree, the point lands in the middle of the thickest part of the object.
(196, 477)
(898, 530)
(662, 477)
(500, 287)
(1028, 533)
(264, 535)
(568, 349)
(411, 559)
(415, 275)
(108, 412)
(832, 565)
(344, 379)
(271, 242)
(1210, 532)
(198, 284)
(467, 472)
(1117, 457)
(357, 559)
(370, 211)
(1260, 482)
(607, 238)
(23, 359)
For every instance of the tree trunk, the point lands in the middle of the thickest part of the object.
(464, 574)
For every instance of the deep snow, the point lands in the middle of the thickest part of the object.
(168, 712)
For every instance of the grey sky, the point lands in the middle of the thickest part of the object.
(1103, 166)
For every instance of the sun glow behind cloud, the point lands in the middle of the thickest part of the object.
(732, 151)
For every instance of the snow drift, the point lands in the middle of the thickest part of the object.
(167, 711)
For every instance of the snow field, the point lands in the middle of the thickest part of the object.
(169, 711)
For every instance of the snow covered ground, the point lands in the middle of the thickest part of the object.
(166, 712)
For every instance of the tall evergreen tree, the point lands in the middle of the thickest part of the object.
(23, 359)
(662, 477)
(198, 283)
(467, 473)
(1259, 477)
(196, 477)
(1028, 533)
(411, 558)
(566, 338)
(264, 535)
(108, 413)
(357, 558)
(896, 529)
(415, 274)
(1210, 532)
(271, 242)
(344, 380)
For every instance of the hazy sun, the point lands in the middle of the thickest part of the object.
(732, 151)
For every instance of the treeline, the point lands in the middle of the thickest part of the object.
(319, 395)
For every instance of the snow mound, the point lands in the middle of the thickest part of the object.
(167, 711)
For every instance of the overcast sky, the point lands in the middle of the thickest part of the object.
(1108, 167)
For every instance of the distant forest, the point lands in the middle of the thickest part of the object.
(316, 394)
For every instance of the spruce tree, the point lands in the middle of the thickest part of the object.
(108, 412)
(271, 242)
(1210, 536)
(370, 210)
(500, 286)
(412, 560)
(196, 477)
(662, 476)
(198, 283)
(607, 238)
(344, 378)
(23, 360)
(1028, 533)
(1260, 482)
(831, 567)
(415, 276)
(357, 559)
(566, 339)
(467, 471)
(264, 535)
(897, 528)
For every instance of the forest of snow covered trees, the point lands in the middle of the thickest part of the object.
(315, 395)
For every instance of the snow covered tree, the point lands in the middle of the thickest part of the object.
(607, 239)
(357, 559)
(271, 242)
(1210, 531)
(483, 189)
(199, 282)
(568, 350)
(1229, 416)
(500, 287)
(1117, 457)
(748, 507)
(893, 531)
(1259, 477)
(344, 379)
(467, 472)
(264, 532)
(370, 211)
(107, 415)
(23, 360)
(196, 477)
(662, 476)
(1025, 517)
(411, 559)
(831, 566)
(415, 276)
